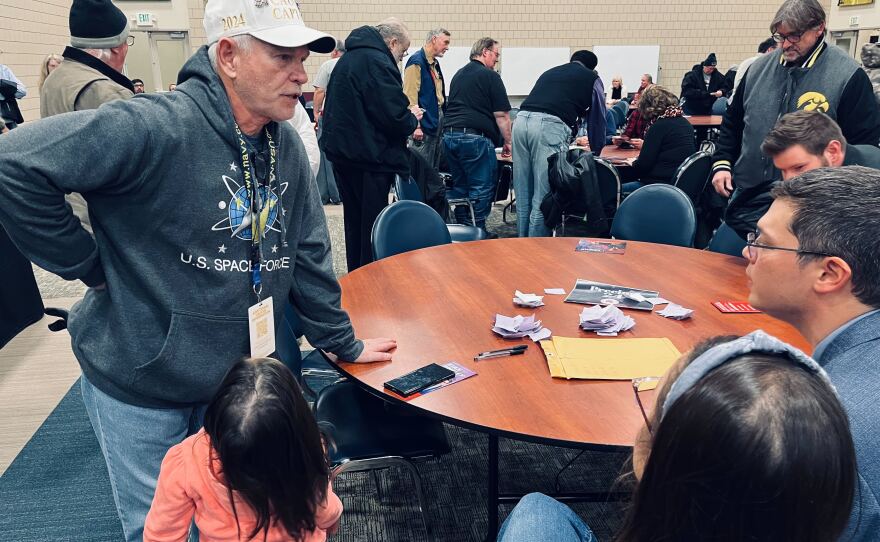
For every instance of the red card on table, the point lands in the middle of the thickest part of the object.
(734, 306)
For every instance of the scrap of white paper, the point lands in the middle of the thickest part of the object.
(515, 327)
(606, 321)
(527, 300)
(554, 291)
(656, 301)
(676, 312)
(541, 334)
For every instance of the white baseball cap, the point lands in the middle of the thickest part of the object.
(278, 22)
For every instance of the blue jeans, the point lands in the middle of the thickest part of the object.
(473, 166)
(538, 518)
(536, 136)
(631, 186)
(134, 441)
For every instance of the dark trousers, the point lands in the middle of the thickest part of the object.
(364, 195)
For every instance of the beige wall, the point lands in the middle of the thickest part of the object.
(868, 25)
(30, 30)
(686, 30)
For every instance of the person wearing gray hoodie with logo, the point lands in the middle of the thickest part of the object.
(206, 224)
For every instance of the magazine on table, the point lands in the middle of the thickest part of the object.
(587, 292)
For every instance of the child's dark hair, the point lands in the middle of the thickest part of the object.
(758, 449)
(268, 445)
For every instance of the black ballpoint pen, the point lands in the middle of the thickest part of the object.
(512, 351)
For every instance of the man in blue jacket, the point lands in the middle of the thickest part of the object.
(365, 125)
(425, 88)
(813, 263)
(204, 211)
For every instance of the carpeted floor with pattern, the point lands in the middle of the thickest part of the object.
(57, 489)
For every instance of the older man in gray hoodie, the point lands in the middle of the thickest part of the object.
(206, 224)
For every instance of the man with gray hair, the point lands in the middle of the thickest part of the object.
(477, 120)
(803, 73)
(425, 87)
(207, 224)
(92, 72)
(366, 121)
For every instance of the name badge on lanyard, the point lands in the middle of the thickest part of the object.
(261, 325)
(261, 316)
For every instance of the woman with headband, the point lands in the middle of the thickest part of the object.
(748, 441)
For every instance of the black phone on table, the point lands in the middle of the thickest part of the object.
(419, 379)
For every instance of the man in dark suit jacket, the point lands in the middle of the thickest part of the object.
(813, 263)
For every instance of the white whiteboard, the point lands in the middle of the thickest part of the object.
(630, 61)
(521, 66)
(453, 60)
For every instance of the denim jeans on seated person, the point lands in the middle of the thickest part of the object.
(536, 136)
(538, 518)
(473, 166)
(632, 186)
(134, 441)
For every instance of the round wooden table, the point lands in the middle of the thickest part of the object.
(440, 303)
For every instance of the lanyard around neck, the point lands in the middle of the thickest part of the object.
(259, 196)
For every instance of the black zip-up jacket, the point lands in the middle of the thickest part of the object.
(367, 118)
(693, 90)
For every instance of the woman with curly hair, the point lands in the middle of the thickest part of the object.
(669, 139)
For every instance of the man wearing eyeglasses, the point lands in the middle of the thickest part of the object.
(803, 74)
(477, 120)
(207, 224)
(92, 72)
(813, 263)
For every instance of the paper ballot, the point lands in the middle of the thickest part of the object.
(608, 359)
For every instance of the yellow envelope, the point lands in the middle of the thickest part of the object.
(608, 359)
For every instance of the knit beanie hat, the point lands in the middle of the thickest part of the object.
(710, 60)
(97, 24)
(585, 57)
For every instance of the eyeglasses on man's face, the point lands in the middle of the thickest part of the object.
(753, 246)
(644, 383)
(791, 38)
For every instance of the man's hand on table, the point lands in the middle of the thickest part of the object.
(505, 150)
(376, 350)
(582, 141)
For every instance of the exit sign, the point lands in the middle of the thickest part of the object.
(145, 19)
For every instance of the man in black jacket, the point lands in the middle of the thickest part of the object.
(804, 73)
(801, 141)
(701, 86)
(365, 125)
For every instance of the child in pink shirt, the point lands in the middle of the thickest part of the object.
(256, 471)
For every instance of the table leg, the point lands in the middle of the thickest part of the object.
(492, 499)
